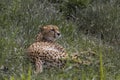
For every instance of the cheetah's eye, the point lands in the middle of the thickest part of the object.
(52, 30)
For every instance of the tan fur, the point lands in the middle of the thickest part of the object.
(44, 51)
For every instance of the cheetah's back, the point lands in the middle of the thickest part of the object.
(50, 54)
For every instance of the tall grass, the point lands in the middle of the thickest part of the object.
(19, 21)
(101, 67)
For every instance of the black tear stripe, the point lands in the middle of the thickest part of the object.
(54, 34)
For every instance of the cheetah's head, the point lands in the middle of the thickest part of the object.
(50, 33)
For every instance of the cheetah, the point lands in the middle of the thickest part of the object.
(45, 51)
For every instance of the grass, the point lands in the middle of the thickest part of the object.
(19, 21)
(101, 67)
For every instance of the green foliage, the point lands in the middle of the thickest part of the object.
(23, 76)
(102, 75)
(100, 20)
(70, 7)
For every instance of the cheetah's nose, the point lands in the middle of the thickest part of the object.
(58, 34)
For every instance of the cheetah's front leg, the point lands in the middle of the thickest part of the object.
(38, 66)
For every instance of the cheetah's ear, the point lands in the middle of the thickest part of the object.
(41, 28)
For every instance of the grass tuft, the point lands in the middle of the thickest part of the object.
(101, 67)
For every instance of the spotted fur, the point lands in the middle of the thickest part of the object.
(45, 51)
